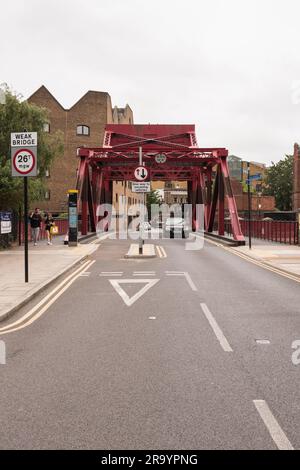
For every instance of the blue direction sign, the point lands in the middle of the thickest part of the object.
(258, 176)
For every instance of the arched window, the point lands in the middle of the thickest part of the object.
(83, 130)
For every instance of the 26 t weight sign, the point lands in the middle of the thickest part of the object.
(24, 163)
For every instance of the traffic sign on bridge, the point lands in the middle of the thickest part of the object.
(24, 154)
(141, 173)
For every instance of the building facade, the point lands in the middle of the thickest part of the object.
(82, 125)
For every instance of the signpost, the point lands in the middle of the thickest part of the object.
(24, 164)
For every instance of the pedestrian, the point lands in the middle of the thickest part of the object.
(49, 223)
(35, 224)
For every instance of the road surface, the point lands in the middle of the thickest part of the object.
(190, 350)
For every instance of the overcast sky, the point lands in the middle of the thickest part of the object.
(232, 67)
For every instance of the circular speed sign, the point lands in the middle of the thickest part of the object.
(24, 161)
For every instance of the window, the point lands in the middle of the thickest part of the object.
(47, 195)
(83, 130)
(117, 197)
(46, 127)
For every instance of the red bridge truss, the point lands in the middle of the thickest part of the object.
(204, 169)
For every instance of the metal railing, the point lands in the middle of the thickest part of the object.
(273, 230)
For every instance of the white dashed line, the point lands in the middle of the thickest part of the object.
(216, 329)
(272, 425)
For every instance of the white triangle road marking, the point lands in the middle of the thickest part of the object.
(129, 301)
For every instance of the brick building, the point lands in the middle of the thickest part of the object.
(82, 125)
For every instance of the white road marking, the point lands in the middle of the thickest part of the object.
(191, 283)
(263, 341)
(163, 251)
(32, 318)
(186, 275)
(152, 318)
(87, 274)
(108, 274)
(129, 301)
(144, 273)
(216, 329)
(158, 251)
(272, 425)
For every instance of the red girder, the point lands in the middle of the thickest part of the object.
(185, 161)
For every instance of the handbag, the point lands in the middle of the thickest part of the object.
(54, 230)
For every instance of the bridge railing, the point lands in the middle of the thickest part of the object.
(273, 230)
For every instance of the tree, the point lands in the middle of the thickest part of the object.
(17, 115)
(279, 183)
(153, 198)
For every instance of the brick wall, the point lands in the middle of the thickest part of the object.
(94, 110)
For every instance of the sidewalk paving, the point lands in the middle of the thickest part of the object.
(46, 263)
(285, 257)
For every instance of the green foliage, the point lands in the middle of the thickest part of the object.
(15, 116)
(153, 198)
(279, 183)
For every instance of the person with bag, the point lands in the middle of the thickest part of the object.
(50, 228)
(35, 219)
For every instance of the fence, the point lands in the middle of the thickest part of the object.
(272, 230)
(62, 225)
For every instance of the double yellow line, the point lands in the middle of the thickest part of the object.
(39, 309)
(256, 262)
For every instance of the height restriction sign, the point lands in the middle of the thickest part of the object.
(24, 154)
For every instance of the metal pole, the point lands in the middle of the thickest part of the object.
(249, 205)
(143, 213)
(26, 227)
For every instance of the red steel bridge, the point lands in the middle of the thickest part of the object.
(204, 169)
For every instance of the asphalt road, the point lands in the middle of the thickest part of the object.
(178, 367)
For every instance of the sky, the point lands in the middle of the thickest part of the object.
(231, 67)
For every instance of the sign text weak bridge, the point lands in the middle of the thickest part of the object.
(204, 169)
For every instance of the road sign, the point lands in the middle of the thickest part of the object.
(5, 222)
(23, 163)
(23, 153)
(141, 173)
(258, 176)
(160, 158)
(142, 187)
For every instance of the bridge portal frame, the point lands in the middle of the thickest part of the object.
(205, 170)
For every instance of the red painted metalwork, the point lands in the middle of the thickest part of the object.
(119, 155)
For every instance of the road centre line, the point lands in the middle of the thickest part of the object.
(216, 329)
(30, 315)
(272, 425)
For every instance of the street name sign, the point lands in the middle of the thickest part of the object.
(23, 153)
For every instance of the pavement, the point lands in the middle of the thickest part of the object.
(190, 350)
(285, 257)
(46, 264)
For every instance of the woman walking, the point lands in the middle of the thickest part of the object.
(49, 222)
